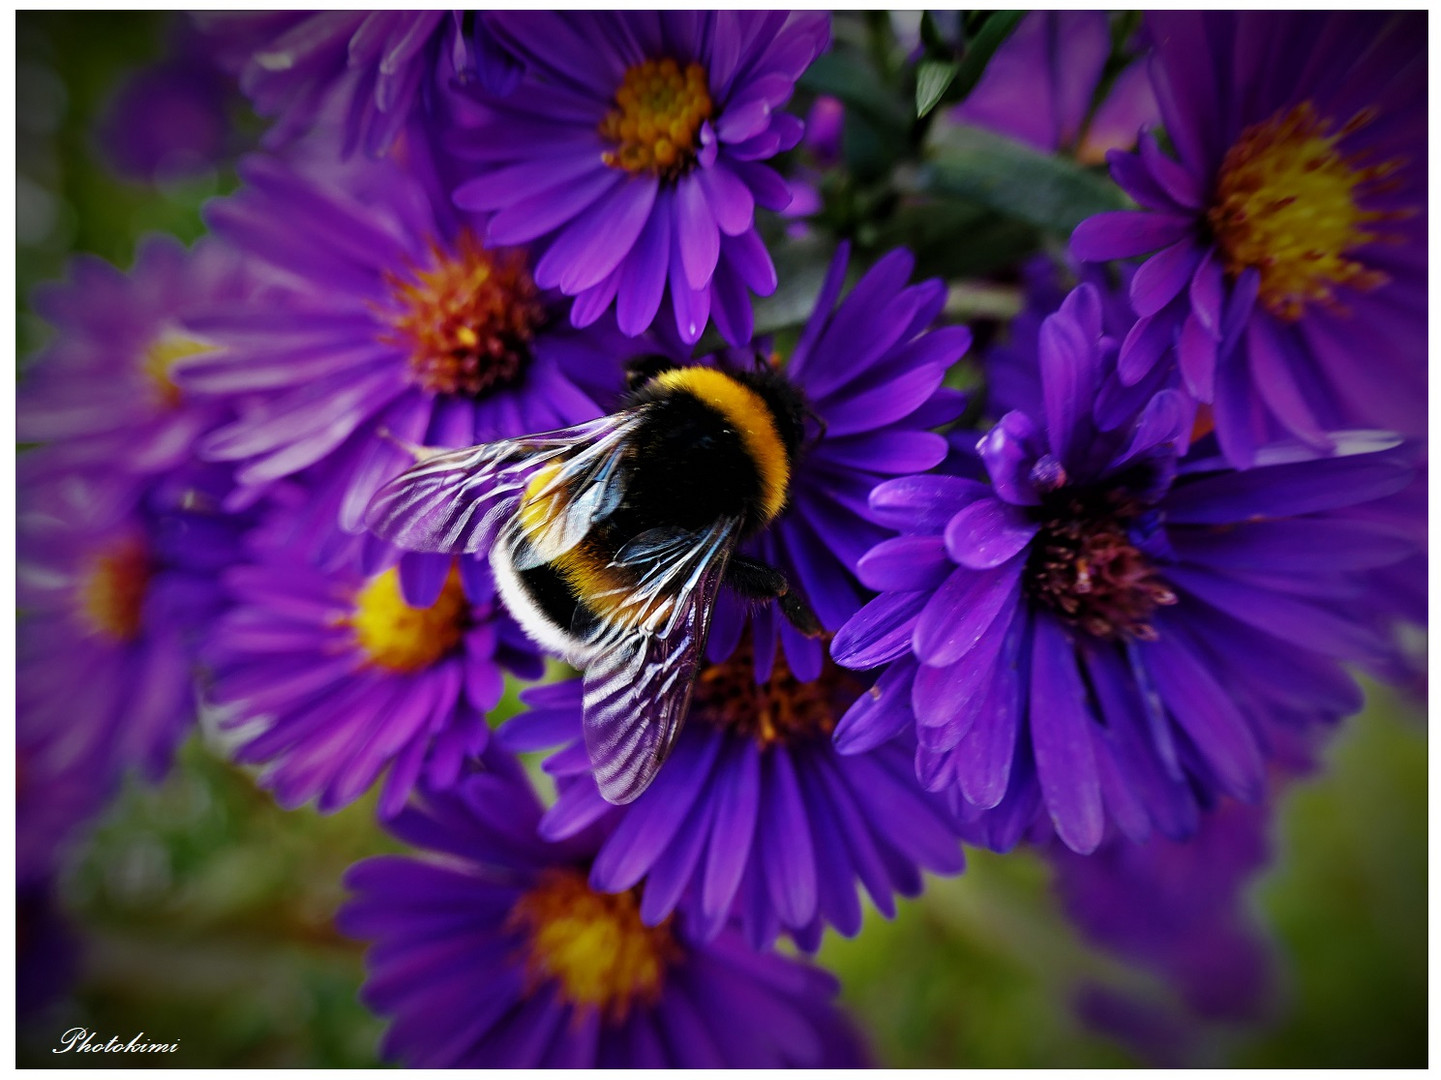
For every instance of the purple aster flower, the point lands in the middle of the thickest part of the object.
(115, 582)
(634, 150)
(754, 813)
(374, 71)
(1108, 630)
(104, 391)
(496, 953)
(1040, 88)
(332, 676)
(1289, 229)
(390, 323)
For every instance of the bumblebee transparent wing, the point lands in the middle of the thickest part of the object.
(456, 501)
(564, 499)
(643, 658)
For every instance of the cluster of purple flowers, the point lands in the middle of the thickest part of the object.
(1096, 608)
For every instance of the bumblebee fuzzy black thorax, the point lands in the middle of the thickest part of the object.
(715, 444)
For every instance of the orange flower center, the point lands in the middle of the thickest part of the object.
(112, 594)
(781, 710)
(395, 636)
(593, 945)
(656, 122)
(467, 319)
(1288, 203)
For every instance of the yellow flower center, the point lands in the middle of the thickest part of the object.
(467, 319)
(159, 362)
(781, 710)
(1287, 203)
(398, 637)
(659, 110)
(112, 594)
(592, 944)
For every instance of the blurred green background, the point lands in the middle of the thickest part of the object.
(204, 911)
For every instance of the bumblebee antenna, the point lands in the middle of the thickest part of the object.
(419, 453)
(811, 414)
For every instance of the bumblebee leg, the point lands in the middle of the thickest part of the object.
(642, 369)
(757, 581)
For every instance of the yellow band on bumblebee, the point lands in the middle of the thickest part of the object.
(748, 414)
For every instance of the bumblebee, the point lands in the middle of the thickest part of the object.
(610, 540)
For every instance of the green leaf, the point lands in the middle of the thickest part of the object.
(997, 28)
(953, 239)
(932, 79)
(847, 76)
(942, 32)
(801, 267)
(1047, 190)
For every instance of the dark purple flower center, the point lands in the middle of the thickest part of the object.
(655, 125)
(112, 593)
(1085, 567)
(1288, 203)
(781, 710)
(593, 945)
(467, 319)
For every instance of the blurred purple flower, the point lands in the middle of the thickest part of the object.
(1109, 630)
(63, 778)
(104, 391)
(1040, 88)
(390, 323)
(168, 122)
(822, 149)
(1180, 910)
(333, 677)
(634, 149)
(495, 953)
(1290, 272)
(825, 125)
(115, 582)
(1155, 1032)
(374, 71)
(754, 815)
